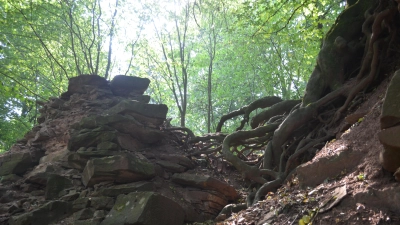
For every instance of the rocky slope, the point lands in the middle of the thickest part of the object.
(98, 156)
(350, 180)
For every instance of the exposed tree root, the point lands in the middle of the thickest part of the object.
(276, 109)
(246, 110)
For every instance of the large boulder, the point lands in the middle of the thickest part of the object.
(391, 106)
(18, 162)
(123, 124)
(151, 114)
(46, 214)
(207, 183)
(91, 138)
(77, 84)
(116, 190)
(56, 186)
(125, 85)
(315, 172)
(145, 208)
(118, 168)
(390, 156)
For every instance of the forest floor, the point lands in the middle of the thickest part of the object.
(360, 195)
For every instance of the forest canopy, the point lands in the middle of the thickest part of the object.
(205, 58)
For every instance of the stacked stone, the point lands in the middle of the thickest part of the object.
(389, 136)
(98, 156)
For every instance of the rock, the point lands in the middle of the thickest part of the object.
(41, 173)
(145, 208)
(54, 156)
(107, 146)
(46, 214)
(390, 156)
(383, 199)
(102, 202)
(312, 173)
(353, 118)
(140, 98)
(10, 178)
(123, 124)
(90, 138)
(70, 197)
(129, 143)
(77, 84)
(144, 113)
(80, 203)
(125, 85)
(208, 204)
(119, 168)
(391, 106)
(116, 190)
(18, 163)
(13, 209)
(178, 159)
(55, 185)
(206, 182)
(172, 167)
(84, 214)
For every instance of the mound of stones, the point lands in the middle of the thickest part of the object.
(98, 156)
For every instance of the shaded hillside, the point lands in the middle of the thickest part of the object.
(343, 184)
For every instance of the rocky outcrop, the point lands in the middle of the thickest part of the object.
(145, 208)
(313, 173)
(390, 124)
(98, 156)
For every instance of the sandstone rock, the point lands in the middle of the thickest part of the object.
(41, 173)
(380, 198)
(206, 182)
(170, 166)
(391, 106)
(123, 124)
(116, 190)
(107, 146)
(124, 85)
(140, 98)
(119, 168)
(80, 203)
(84, 214)
(77, 84)
(46, 214)
(353, 118)
(90, 138)
(390, 156)
(144, 113)
(210, 204)
(78, 159)
(145, 208)
(129, 143)
(315, 172)
(101, 203)
(10, 178)
(19, 162)
(55, 185)
(54, 156)
(178, 159)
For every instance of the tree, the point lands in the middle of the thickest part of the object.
(174, 62)
(349, 63)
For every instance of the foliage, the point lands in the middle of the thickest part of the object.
(205, 58)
